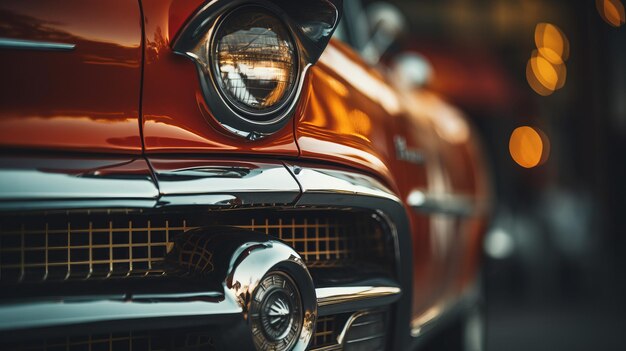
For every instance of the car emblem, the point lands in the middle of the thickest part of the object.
(404, 153)
(276, 313)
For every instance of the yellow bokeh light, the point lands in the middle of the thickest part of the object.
(611, 11)
(552, 44)
(526, 146)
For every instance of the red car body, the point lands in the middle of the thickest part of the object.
(121, 102)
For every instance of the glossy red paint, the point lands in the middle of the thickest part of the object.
(175, 115)
(347, 114)
(86, 99)
(352, 116)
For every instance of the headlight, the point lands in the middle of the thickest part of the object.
(254, 62)
(252, 58)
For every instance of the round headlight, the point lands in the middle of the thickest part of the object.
(254, 62)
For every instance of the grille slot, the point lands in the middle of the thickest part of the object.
(367, 332)
(84, 245)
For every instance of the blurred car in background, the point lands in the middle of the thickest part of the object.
(191, 175)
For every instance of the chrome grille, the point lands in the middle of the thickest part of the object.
(323, 240)
(79, 245)
(325, 332)
(130, 341)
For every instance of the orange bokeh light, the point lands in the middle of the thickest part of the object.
(611, 11)
(546, 70)
(526, 146)
(552, 44)
(544, 76)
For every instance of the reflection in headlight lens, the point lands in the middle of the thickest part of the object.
(254, 60)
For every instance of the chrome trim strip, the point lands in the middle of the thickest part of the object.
(17, 316)
(331, 181)
(65, 204)
(333, 300)
(35, 184)
(213, 182)
(450, 204)
(38, 182)
(347, 294)
(20, 44)
(366, 338)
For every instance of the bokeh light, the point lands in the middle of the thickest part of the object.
(543, 76)
(526, 146)
(552, 44)
(534, 82)
(611, 11)
(546, 71)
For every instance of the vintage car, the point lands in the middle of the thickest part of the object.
(200, 175)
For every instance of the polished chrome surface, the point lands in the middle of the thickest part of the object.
(253, 261)
(42, 179)
(331, 181)
(33, 184)
(6, 43)
(348, 294)
(213, 182)
(365, 295)
(276, 313)
(449, 204)
(89, 309)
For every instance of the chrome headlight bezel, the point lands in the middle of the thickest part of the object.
(309, 33)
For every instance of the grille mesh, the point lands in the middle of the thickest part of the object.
(123, 244)
(325, 332)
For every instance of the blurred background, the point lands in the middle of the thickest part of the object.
(544, 83)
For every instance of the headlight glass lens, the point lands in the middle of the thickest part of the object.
(254, 60)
